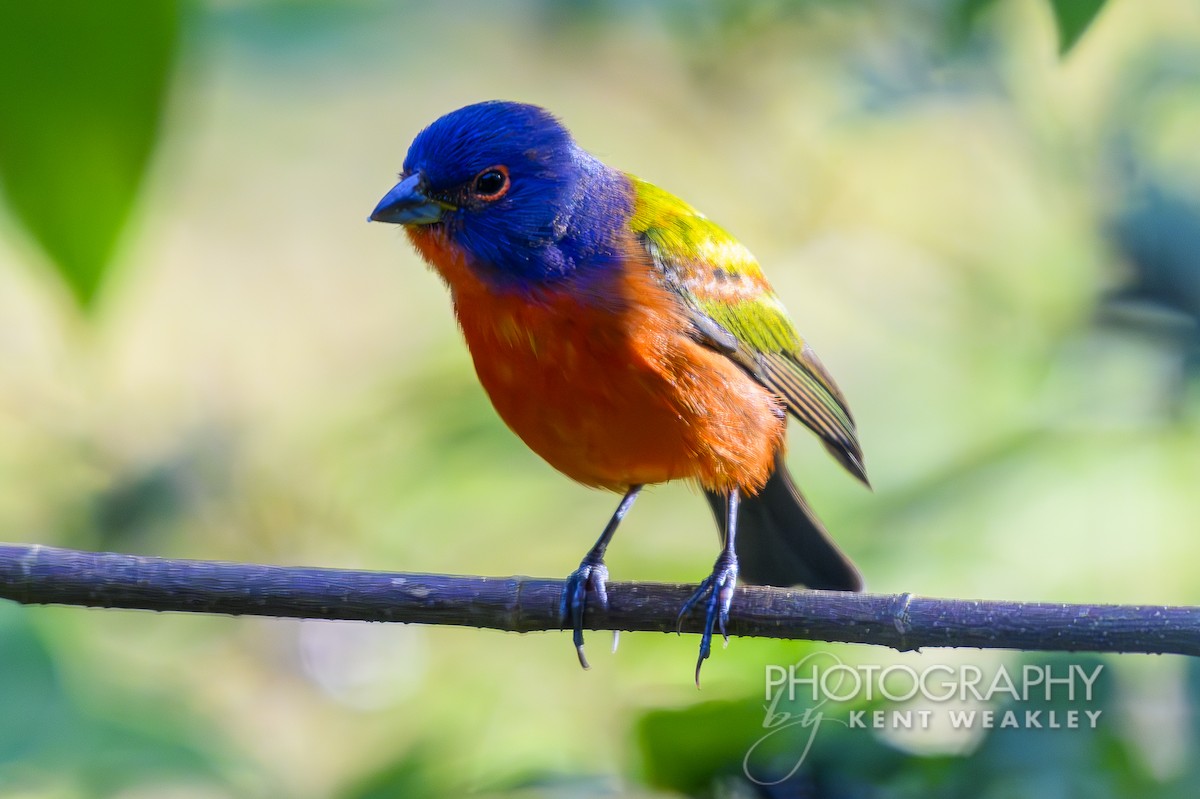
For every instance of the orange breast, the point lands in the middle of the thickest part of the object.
(606, 385)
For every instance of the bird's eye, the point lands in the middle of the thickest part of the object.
(491, 184)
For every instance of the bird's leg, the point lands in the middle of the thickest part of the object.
(592, 575)
(717, 588)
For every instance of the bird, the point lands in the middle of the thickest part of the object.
(628, 340)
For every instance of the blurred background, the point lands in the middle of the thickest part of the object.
(985, 216)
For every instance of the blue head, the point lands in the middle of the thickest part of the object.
(507, 184)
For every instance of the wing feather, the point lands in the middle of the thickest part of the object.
(735, 312)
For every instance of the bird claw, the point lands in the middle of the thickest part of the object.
(717, 593)
(591, 576)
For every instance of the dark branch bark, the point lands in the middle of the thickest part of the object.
(46, 575)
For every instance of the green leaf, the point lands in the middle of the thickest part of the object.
(82, 86)
(1073, 18)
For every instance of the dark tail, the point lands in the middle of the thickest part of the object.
(781, 542)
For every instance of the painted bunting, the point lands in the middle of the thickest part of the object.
(627, 340)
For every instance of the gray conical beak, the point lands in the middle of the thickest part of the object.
(407, 204)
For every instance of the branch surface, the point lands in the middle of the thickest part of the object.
(39, 575)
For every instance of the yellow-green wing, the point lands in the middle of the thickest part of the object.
(734, 311)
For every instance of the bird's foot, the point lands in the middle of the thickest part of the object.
(590, 577)
(717, 593)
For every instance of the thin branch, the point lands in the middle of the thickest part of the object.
(45, 575)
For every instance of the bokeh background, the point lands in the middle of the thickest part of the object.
(984, 215)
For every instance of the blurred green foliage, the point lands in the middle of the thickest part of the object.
(56, 740)
(984, 215)
(83, 86)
